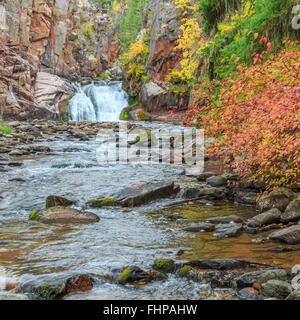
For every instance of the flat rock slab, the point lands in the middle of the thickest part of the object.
(217, 264)
(289, 235)
(227, 219)
(140, 194)
(63, 215)
(208, 227)
(229, 230)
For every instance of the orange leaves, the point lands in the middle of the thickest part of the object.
(255, 116)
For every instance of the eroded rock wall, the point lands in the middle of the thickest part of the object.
(164, 21)
(71, 39)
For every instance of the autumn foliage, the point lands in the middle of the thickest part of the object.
(254, 116)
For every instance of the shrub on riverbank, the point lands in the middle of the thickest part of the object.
(4, 128)
(255, 116)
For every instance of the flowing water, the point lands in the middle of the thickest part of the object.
(98, 101)
(34, 251)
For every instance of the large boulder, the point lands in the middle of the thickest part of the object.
(292, 212)
(143, 193)
(216, 181)
(277, 289)
(295, 295)
(63, 215)
(289, 235)
(279, 199)
(265, 218)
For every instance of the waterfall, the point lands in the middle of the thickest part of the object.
(98, 101)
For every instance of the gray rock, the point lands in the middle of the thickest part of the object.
(295, 295)
(248, 294)
(143, 193)
(226, 219)
(212, 193)
(201, 227)
(63, 215)
(248, 279)
(216, 181)
(265, 218)
(275, 274)
(277, 289)
(292, 212)
(289, 235)
(205, 175)
(228, 230)
(296, 269)
(276, 199)
(248, 198)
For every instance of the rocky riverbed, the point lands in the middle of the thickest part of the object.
(73, 228)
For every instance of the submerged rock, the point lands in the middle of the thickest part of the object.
(228, 230)
(56, 201)
(282, 249)
(143, 193)
(289, 235)
(226, 219)
(63, 215)
(200, 227)
(265, 218)
(277, 289)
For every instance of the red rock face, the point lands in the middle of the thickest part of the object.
(165, 58)
(71, 39)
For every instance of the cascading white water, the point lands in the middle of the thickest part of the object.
(98, 101)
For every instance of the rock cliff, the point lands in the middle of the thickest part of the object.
(163, 20)
(45, 43)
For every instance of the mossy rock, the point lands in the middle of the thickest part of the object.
(133, 274)
(124, 116)
(188, 272)
(124, 276)
(34, 215)
(143, 116)
(102, 202)
(63, 215)
(56, 201)
(164, 265)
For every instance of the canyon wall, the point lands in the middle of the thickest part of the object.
(44, 44)
(163, 20)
